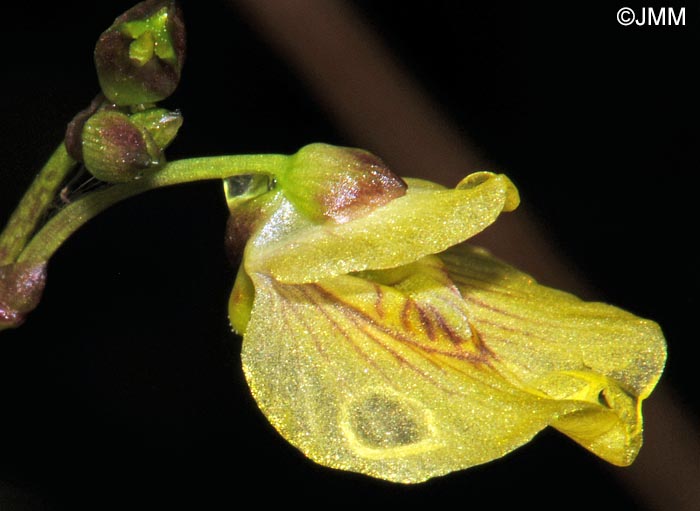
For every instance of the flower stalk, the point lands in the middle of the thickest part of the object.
(74, 215)
(34, 204)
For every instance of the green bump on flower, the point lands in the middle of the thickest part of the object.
(140, 57)
(161, 124)
(338, 183)
(384, 345)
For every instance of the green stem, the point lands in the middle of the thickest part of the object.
(73, 216)
(34, 204)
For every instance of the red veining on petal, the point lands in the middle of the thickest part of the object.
(481, 303)
(480, 284)
(453, 336)
(426, 323)
(284, 292)
(505, 328)
(338, 328)
(412, 335)
(481, 357)
(365, 327)
(405, 314)
(379, 300)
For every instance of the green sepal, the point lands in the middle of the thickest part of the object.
(338, 183)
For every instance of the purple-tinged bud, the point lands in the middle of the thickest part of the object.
(139, 58)
(117, 150)
(21, 287)
(339, 183)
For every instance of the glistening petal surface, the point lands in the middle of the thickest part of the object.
(386, 380)
(425, 221)
(565, 348)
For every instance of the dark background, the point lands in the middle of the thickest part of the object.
(124, 389)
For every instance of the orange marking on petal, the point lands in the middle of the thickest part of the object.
(378, 302)
(461, 354)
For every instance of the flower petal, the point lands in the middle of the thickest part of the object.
(382, 374)
(564, 348)
(425, 221)
(240, 304)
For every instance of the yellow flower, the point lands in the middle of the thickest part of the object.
(375, 341)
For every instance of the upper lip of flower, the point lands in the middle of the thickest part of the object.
(426, 220)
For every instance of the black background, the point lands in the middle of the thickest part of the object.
(124, 389)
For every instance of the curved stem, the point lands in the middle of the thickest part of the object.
(73, 216)
(34, 204)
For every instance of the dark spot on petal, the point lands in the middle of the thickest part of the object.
(382, 422)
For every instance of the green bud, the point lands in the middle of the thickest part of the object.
(117, 150)
(21, 287)
(338, 183)
(160, 123)
(139, 58)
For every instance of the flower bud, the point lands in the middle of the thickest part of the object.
(338, 183)
(140, 57)
(117, 150)
(21, 287)
(161, 124)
